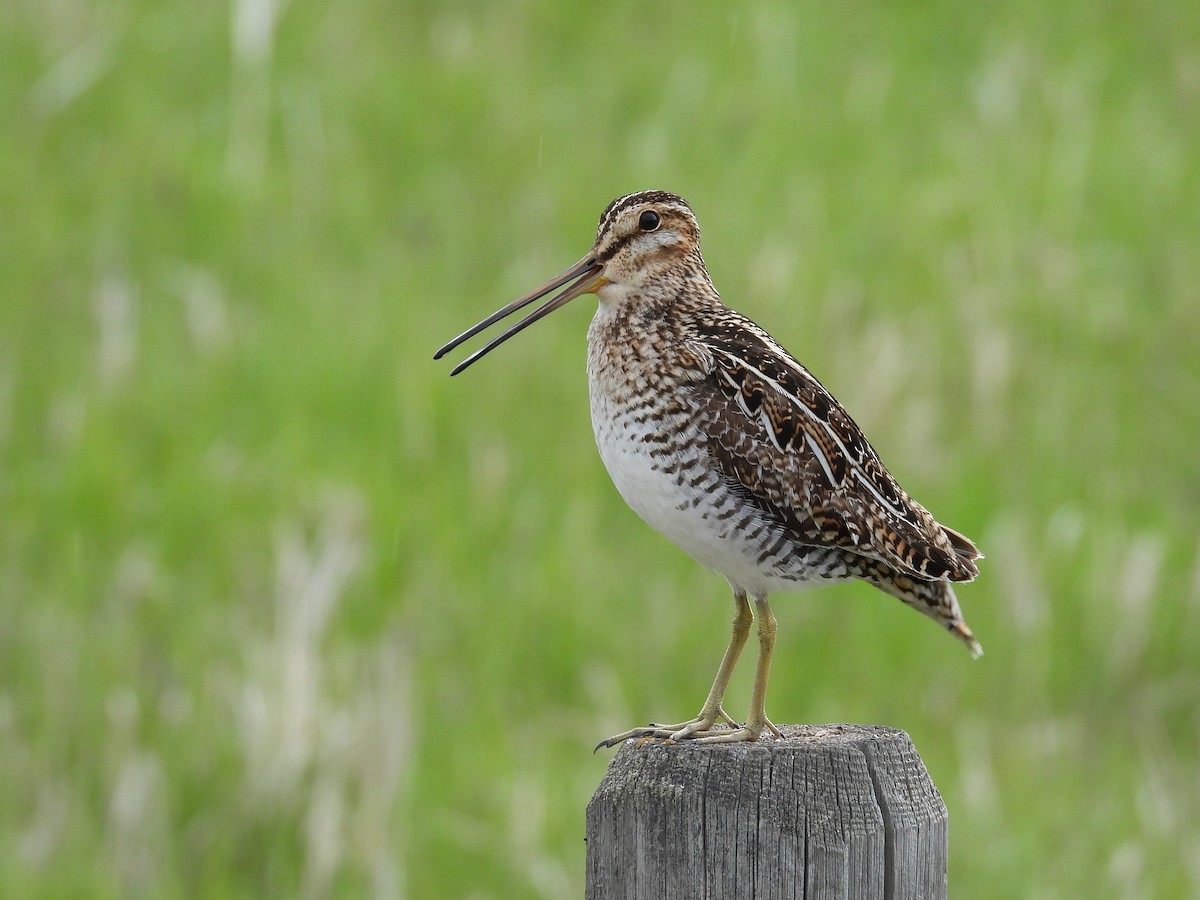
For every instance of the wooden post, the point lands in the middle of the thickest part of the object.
(833, 811)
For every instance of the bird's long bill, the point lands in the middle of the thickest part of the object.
(588, 280)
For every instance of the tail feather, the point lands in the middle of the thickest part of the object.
(934, 599)
(960, 630)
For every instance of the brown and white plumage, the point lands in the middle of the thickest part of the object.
(796, 454)
(718, 438)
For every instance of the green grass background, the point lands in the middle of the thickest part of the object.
(285, 611)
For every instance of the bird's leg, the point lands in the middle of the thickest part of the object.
(756, 721)
(711, 711)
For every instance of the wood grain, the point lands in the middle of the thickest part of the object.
(832, 811)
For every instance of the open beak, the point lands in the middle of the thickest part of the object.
(587, 280)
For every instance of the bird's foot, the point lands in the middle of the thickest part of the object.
(701, 726)
(751, 731)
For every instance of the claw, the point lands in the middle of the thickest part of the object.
(702, 725)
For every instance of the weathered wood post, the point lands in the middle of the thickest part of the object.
(833, 811)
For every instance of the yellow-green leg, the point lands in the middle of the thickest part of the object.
(703, 723)
(756, 721)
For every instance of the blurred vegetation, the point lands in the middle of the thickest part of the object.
(286, 611)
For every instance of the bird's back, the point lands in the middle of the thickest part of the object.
(724, 443)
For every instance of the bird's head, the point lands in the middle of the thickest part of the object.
(639, 240)
(643, 235)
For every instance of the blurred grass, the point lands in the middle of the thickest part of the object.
(288, 612)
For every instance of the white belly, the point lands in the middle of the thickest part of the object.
(651, 492)
(701, 516)
(659, 461)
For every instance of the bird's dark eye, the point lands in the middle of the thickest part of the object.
(648, 220)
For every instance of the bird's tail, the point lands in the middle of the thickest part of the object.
(960, 630)
(933, 598)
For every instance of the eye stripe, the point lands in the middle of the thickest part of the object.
(618, 206)
(615, 248)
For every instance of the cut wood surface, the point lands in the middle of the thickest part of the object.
(828, 811)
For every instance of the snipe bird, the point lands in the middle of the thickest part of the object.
(721, 441)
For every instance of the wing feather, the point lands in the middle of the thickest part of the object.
(783, 440)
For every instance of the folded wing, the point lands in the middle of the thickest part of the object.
(783, 441)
